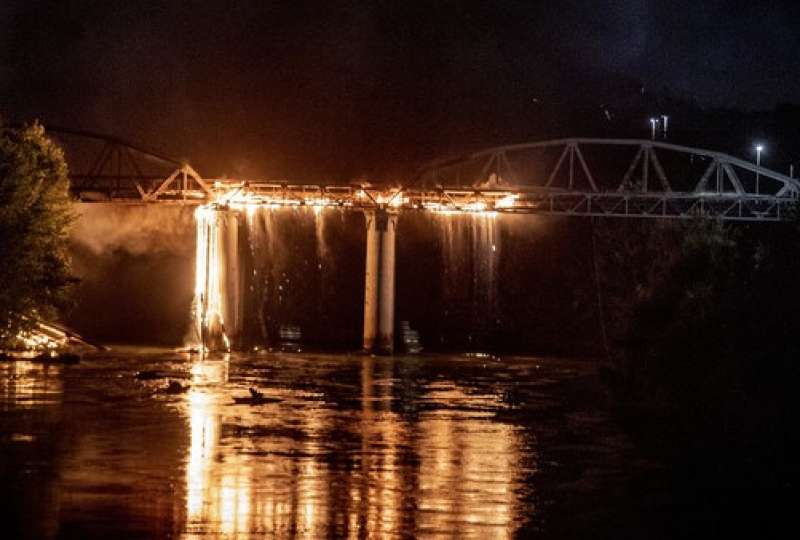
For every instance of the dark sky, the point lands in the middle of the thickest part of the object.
(338, 89)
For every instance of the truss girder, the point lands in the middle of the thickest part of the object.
(185, 186)
(574, 172)
(572, 187)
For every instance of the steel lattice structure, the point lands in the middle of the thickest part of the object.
(572, 177)
(648, 179)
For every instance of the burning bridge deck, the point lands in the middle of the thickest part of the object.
(537, 200)
(571, 177)
(567, 177)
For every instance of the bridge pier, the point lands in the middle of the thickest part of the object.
(379, 281)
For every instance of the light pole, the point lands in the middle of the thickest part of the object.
(759, 149)
(665, 118)
(653, 124)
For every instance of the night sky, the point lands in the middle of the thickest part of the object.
(334, 90)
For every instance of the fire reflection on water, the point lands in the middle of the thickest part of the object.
(308, 468)
(26, 384)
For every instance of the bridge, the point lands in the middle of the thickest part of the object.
(620, 178)
(571, 177)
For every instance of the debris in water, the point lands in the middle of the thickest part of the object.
(410, 338)
(174, 387)
(190, 349)
(52, 357)
(149, 375)
(255, 398)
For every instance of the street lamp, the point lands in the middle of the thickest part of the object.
(665, 118)
(759, 149)
(653, 124)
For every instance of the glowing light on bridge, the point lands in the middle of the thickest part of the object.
(208, 277)
(507, 201)
(249, 198)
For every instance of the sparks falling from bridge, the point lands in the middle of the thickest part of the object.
(621, 178)
(207, 293)
(214, 267)
(237, 220)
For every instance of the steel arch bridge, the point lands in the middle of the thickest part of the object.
(105, 168)
(570, 177)
(621, 178)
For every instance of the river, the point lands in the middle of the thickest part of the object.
(349, 446)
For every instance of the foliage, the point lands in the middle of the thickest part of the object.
(35, 212)
(709, 335)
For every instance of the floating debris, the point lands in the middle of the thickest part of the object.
(191, 349)
(255, 398)
(149, 375)
(174, 387)
(410, 338)
(52, 357)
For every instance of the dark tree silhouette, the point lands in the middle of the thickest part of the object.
(35, 212)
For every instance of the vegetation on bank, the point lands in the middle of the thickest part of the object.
(35, 213)
(703, 327)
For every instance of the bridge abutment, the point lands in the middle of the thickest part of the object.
(379, 281)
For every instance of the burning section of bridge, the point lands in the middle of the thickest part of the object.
(216, 306)
(225, 247)
(250, 196)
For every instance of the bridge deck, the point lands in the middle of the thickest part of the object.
(652, 180)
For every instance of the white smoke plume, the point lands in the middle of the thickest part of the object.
(137, 229)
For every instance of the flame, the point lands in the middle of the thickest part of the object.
(42, 336)
(440, 207)
(210, 302)
(396, 199)
(449, 209)
(508, 201)
(208, 277)
(477, 206)
(36, 340)
(239, 199)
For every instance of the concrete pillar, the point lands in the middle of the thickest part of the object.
(387, 281)
(371, 281)
(379, 281)
(231, 273)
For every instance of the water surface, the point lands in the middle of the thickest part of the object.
(348, 446)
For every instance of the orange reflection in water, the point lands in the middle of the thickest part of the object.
(307, 468)
(25, 384)
(468, 473)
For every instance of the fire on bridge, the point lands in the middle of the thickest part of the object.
(570, 177)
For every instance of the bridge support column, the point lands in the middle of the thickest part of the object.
(379, 281)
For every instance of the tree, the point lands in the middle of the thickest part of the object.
(35, 213)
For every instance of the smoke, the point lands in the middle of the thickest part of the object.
(135, 265)
(136, 229)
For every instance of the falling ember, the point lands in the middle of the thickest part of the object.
(477, 206)
(241, 213)
(208, 305)
(471, 244)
